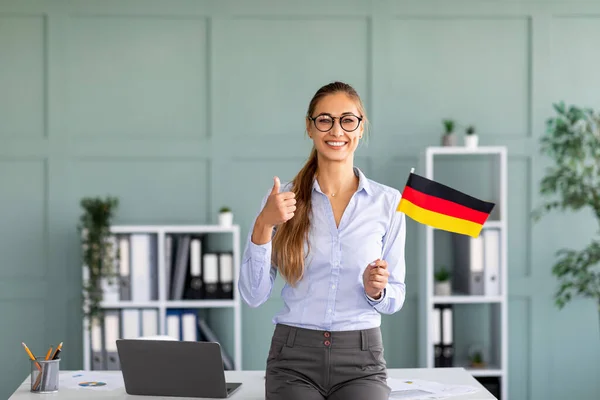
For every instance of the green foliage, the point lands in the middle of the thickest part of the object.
(442, 275)
(448, 125)
(477, 358)
(225, 209)
(470, 130)
(572, 140)
(99, 256)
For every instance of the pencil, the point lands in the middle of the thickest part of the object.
(31, 356)
(48, 353)
(57, 351)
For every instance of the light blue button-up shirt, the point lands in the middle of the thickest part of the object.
(331, 294)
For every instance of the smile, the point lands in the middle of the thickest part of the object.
(336, 145)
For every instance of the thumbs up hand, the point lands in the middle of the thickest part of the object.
(279, 207)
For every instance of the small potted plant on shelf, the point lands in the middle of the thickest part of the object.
(442, 282)
(449, 137)
(225, 217)
(471, 138)
(476, 359)
(99, 256)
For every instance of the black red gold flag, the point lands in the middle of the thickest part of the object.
(432, 203)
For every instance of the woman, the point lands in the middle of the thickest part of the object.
(337, 240)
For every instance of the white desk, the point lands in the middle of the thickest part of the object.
(253, 386)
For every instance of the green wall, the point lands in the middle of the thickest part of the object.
(181, 106)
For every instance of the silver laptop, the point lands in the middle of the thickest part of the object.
(173, 368)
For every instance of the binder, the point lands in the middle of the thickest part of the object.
(194, 284)
(189, 326)
(447, 358)
(97, 345)
(130, 323)
(226, 275)
(124, 268)
(181, 267)
(491, 247)
(174, 324)
(168, 264)
(468, 264)
(149, 322)
(143, 268)
(111, 334)
(111, 286)
(211, 275)
(436, 327)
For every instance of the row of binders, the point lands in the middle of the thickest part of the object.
(190, 272)
(443, 335)
(477, 261)
(181, 324)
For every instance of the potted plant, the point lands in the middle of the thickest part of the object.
(449, 137)
(476, 359)
(572, 140)
(442, 282)
(225, 217)
(471, 138)
(99, 256)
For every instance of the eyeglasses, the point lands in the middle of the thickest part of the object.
(324, 122)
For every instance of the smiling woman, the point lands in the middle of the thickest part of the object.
(327, 342)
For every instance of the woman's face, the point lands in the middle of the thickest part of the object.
(334, 143)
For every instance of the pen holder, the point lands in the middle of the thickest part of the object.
(44, 375)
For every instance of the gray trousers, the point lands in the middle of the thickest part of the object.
(315, 365)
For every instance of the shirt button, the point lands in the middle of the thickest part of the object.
(333, 286)
(327, 334)
(327, 343)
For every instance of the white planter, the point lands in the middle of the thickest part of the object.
(442, 288)
(226, 218)
(471, 141)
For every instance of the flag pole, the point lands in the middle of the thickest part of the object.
(412, 170)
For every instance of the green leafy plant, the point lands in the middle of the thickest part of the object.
(477, 359)
(99, 256)
(449, 126)
(442, 275)
(470, 130)
(224, 209)
(572, 140)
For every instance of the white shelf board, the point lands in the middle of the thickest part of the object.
(174, 229)
(201, 303)
(217, 303)
(462, 150)
(466, 299)
(131, 304)
(485, 371)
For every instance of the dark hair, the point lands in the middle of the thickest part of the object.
(288, 241)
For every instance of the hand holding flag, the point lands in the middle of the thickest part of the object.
(439, 206)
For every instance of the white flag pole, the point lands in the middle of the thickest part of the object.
(412, 170)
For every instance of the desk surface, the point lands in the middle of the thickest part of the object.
(253, 386)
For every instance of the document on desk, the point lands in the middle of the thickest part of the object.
(92, 380)
(418, 389)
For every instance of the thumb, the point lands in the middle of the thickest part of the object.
(275, 186)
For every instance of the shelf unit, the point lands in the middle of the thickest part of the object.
(497, 304)
(163, 304)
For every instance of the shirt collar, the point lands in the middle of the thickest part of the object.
(363, 183)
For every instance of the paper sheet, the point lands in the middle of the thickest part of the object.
(418, 389)
(92, 380)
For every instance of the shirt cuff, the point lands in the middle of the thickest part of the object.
(372, 301)
(260, 252)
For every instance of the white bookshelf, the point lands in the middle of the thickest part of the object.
(163, 304)
(495, 305)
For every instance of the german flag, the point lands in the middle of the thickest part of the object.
(431, 203)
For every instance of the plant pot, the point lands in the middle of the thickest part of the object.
(226, 219)
(471, 141)
(449, 139)
(442, 288)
